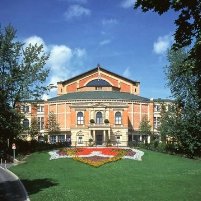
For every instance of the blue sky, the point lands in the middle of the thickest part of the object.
(79, 34)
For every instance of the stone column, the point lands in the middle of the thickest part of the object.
(92, 134)
(104, 136)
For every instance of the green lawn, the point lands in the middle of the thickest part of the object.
(158, 177)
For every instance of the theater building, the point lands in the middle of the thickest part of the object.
(98, 105)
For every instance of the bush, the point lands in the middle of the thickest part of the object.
(92, 121)
(106, 121)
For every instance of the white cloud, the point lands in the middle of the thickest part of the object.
(162, 44)
(104, 42)
(35, 40)
(59, 56)
(127, 72)
(76, 11)
(63, 61)
(109, 21)
(128, 3)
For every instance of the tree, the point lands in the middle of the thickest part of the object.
(188, 30)
(52, 125)
(145, 127)
(34, 130)
(183, 121)
(22, 74)
(183, 73)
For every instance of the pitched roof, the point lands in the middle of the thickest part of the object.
(99, 95)
(96, 70)
(163, 100)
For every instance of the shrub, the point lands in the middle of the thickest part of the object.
(106, 121)
(91, 142)
(92, 121)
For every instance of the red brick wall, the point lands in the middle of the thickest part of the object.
(71, 87)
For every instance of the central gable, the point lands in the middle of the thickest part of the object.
(98, 79)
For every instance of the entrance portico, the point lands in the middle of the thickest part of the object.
(100, 137)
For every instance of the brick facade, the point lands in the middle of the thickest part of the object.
(78, 102)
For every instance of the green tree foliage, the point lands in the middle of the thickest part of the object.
(183, 120)
(52, 125)
(22, 74)
(188, 22)
(34, 130)
(10, 123)
(183, 73)
(188, 30)
(145, 127)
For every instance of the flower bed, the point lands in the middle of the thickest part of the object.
(97, 156)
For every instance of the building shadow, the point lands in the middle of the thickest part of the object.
(14, 191)
(37, 185)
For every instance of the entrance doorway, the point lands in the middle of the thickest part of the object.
(99, 137)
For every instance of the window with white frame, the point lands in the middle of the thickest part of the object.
(80, 118)
(157, 122)
(157, 108)
(40, 123)
(53, 139)
(118, 118)
(118, 138)
(80, 140)
(99, 118)
(61, 138)
(25, 108)
(40, 108)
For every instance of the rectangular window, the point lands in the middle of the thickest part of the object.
(40, 123)
(118, 139)
(25, 108)
(155, 125)
(53, 139)
(61, 138)
(157, 108)
(118, 120)
(40, 108)
(80, 140)
(80, 120)
(157, 122)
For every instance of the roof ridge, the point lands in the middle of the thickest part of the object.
(94, 69)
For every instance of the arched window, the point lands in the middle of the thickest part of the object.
(99, 118)
(118, 118)
(26, 123)
(80, 118)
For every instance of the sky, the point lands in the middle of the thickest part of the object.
(80, 34)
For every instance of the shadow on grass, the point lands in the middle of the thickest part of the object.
(37, 185)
